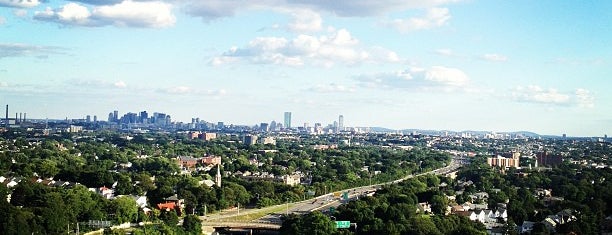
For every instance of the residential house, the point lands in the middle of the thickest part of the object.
(424, 207)
(172, 203)
(527, 227)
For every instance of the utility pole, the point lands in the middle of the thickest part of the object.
(287, 207)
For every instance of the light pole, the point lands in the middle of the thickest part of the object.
(287, 213)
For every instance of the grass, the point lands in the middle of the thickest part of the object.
(254, 215)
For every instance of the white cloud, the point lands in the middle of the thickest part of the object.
(19, 3)
(214, 9)
(584, 98)
(99, 2)
(435, 77)
(2, 20)
(327, 50)
(446, 76)
(494, 57)
(305, 21)
(137, 14)
(128, 13)
(331, 88)
(369, 8)
(445, 52)
(73, 12)
(18, 50)
(96, 83)
(435, 17)
(535, 94)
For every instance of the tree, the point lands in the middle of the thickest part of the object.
(169, 217)
(192, 225)
(439, 204)
(124, 208)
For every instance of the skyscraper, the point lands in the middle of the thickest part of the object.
(288, 120)
(340, 123)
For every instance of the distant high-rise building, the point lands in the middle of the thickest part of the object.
(111, 117)
(115, 116)
(546, 159)
(88, 118)
(250, 139)
(95, 119)
(288, 120)
(263, 127)
(340, 123)
(505, 160)
(144, 116)
(273, 126)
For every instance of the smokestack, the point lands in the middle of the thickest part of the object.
(24, 116)
(6, 119)
(20, 117)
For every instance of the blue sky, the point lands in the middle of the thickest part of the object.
(541, 66)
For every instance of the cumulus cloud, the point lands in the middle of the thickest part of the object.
(137, 14)
(536, 94)
(435, 17)
(435, 77)
(369, 8)
(584, 98)
(18, 50)
(96, 83)
(305, 21)
(128, 13)
(494, 57)
(327, 50)
(214, 9)
(19, 3)
(331, 88)
(99, 2)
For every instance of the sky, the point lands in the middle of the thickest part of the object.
(543, 66)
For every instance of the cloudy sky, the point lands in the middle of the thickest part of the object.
(497, 65)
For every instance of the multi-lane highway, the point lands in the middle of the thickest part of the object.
(327, 201)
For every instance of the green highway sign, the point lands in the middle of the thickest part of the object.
(343, 224)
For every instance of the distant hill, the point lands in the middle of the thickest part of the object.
(442, 132)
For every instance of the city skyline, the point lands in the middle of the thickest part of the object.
(441, 65)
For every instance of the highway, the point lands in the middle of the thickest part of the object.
(324, 202)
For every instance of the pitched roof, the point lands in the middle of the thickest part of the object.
(166, 206)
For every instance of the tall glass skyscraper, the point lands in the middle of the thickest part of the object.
(287, 120)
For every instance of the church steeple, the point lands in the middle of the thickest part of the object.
(218, 176)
